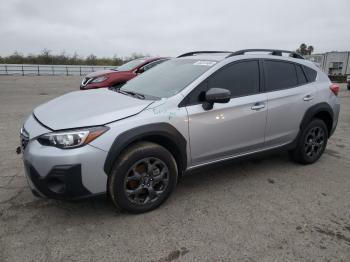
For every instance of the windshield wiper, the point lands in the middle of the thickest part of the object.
(134, 94)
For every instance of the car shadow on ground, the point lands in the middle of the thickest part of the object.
(231, 171)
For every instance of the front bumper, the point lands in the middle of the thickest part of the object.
(64, 174)
(62, 182)
(61, 173)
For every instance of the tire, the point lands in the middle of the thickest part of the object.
(142, 178)
(348, 87)
(312, 143)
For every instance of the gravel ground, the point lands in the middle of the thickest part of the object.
(266, 209)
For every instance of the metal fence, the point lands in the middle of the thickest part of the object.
(42, 70)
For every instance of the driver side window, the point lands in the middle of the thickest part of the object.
(241, 78)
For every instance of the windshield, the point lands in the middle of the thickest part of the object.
(168, 78)
(131, 65)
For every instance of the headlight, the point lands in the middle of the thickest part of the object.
(72, 138)
(99, 79)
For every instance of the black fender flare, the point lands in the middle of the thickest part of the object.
(314, 110)
(308, 115)
(150, 132)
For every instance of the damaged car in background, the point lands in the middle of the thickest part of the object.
(116, 78)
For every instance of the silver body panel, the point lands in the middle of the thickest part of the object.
(89, 108)
(286, 109)
(227, 131)
(222, 131)
(91, 159)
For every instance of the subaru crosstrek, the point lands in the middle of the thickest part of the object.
(119, 76)
(198, 109)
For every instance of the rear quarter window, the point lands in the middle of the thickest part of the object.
(311, 74)
(301, 76)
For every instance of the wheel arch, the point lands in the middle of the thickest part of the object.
(163, 134)
(321, 111)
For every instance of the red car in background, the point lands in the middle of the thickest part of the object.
(119, 76)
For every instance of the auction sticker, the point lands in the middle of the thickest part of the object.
(205, 63)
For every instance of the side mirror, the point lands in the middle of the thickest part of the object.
(216, 95)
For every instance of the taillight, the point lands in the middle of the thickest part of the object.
(335, 89)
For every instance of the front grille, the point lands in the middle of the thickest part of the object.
(24, 138)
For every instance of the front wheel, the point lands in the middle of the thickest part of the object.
(142, 178)
(312, 143)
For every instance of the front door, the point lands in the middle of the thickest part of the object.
(230, 129)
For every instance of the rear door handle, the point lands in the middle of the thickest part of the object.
(308, 98)
(258, 106)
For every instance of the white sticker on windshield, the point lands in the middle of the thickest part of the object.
(205, 63)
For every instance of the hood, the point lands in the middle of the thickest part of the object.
(88, 108)
(100, 73)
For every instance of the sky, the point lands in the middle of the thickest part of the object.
(169, 28)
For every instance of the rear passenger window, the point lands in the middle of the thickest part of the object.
(310, 73)
(279, 75)
(241, 78)
(301, 76)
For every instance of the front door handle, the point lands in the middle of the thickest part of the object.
(258, 106)
(308, 98)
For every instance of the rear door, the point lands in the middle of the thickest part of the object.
(230, 129)
(289, 95)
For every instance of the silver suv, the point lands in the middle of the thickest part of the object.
(198, 109)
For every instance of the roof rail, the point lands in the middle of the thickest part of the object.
(203, 52)
(272, 51)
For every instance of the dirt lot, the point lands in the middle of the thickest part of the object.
(258, 210)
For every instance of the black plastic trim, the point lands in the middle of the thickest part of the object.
(147, 132)
(275, 52)
(204, 52)
(69, 178)
(314, 110)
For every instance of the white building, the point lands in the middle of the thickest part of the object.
(332, 63)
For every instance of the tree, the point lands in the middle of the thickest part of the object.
(45, 57)
(310, 49)
(16, 58)
(91, 60)
(305, 50)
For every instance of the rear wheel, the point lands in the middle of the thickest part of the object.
(312, 143)
(142, 178)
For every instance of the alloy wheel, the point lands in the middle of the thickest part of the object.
(314, 142)
(146, 181)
